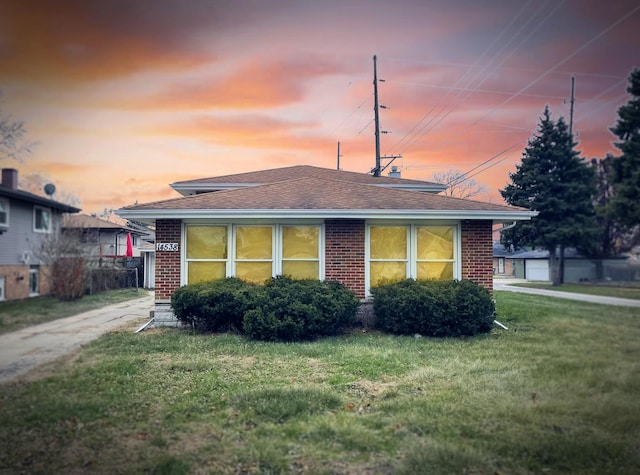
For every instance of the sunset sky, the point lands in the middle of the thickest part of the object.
(124, 97)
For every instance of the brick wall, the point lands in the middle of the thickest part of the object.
(477, 253)
(16, 281)
(167, 262)
(344, 253)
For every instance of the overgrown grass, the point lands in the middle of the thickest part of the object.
(17, 314)
(627, 290)
(559, 392)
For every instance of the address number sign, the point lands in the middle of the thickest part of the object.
(167, 246)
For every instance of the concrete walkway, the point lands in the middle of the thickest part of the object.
(505, 284)
(23, 350)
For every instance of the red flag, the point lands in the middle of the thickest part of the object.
(129, 246)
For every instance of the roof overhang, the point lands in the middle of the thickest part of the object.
(38, 200)
(150, 216)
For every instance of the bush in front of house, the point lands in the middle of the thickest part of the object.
(433, 308)
(213, 306)
(292, 310)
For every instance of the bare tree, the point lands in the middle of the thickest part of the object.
(459, 186)
(13, 144)
(66, 261)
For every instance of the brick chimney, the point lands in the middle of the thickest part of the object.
(10, 178)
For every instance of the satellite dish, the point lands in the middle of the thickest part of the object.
(49, 189)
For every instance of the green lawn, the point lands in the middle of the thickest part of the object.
(559, 392)
(17, 314)
(628, 290)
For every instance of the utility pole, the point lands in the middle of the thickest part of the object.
(338, 164)
(376, 170)
(379, 168)
(573, 99)
(571, 102)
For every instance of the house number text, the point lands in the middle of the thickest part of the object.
(167, 246)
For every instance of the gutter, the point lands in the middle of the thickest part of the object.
(508, 226)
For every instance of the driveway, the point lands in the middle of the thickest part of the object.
(23, 350)
(507, 284)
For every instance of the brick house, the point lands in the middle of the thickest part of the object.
(310, 222)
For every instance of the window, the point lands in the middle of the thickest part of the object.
(4, 213)
(253, 253)
(2, 280)
(34, 281)
(388, 256)
(41, 219)
(434, 257)
(421, 252)
(301, 252)
(206, 253)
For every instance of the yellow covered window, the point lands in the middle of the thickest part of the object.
(387, 254)
(300, 252)
(434, 257)
(254, 253)
(206, 253)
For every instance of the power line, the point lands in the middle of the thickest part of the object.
(549, 71)
(422, 132)
(618, 98)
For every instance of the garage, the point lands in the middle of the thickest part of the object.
(537, 269)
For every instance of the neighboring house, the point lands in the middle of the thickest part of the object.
(310, 222)
(103, 238)
(534, 265)
(147, 252)
(26, 220)
(502, 262)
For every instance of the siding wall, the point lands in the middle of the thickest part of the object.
(18, 240)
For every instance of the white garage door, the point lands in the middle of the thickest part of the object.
(537, 269)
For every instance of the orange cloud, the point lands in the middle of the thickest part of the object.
(249, 132)
(256, 84)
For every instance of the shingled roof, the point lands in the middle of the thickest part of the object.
(322, 198)
(275, 175)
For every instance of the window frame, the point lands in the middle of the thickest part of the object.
(412, 248)
(5, 208)
(34, 276)
(276, 246)
(42, 209)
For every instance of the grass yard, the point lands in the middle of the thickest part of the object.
(559, 392)
(628, 290)
(17, 314)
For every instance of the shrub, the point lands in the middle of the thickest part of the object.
(213, 306)
(290, 310)
(433, 308)
(69, 278)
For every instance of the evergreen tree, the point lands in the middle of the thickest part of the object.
(553, 180)
(625, 178)
(615, 238)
